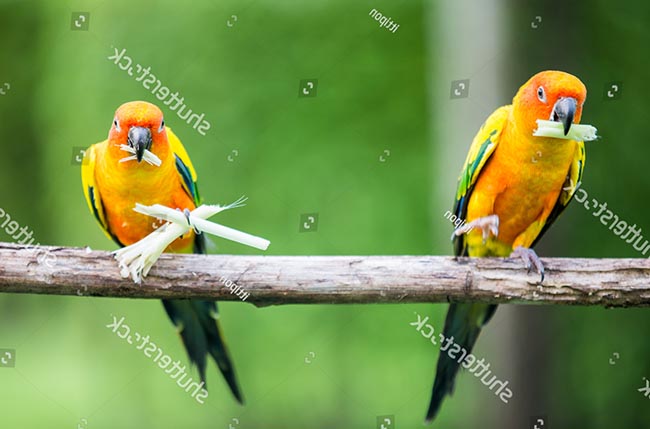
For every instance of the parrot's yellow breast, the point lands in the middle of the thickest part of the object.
(520, 183)
(121, 186)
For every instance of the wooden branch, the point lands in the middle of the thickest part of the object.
(274, 280)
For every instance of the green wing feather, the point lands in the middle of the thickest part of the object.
(184, 166)
(93, 198)
(483, 146)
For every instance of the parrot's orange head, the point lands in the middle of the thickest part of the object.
(141, 126)
(549, 95)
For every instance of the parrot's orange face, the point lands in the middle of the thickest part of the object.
(549, 95)
(141, 126)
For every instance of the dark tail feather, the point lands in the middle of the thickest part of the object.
(200, 332)
(463, 323)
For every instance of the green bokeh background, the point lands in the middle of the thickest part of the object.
(319, 155)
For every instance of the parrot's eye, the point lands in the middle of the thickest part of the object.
(117, 125)
(541, 94)
(162, 126)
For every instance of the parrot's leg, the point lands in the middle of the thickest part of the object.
(488, 224)
(530, 259)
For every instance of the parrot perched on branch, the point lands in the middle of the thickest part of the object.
(511, 189)
(158, 171)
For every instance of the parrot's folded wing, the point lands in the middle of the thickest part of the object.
(93, 198)
(188, 177)
(483, 145)
(184, 166)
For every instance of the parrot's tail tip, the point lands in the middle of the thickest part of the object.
(430, 418)
(237, 393)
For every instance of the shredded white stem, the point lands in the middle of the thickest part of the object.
(137, 259)
(148, 156)
(578, 132)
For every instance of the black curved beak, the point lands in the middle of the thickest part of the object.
(139, 138)
(563, 111)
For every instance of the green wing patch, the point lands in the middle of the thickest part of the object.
(483, 146)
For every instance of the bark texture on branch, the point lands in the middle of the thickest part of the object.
(273, 280)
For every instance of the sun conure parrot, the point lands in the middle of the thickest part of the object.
(112, 185)
(511, 189)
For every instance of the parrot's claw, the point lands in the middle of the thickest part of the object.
(489, 225)
(530, 259)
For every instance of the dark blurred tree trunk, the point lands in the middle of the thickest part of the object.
(530, 333)
(536, 27)
(553, 34)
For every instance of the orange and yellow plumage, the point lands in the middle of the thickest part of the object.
(521, 180)
(112, 186)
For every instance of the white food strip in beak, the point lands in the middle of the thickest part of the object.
(578, 132)
(148, 156)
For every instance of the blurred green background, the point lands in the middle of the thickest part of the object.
(379, 94)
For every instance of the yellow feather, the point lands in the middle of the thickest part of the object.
(93, 199)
